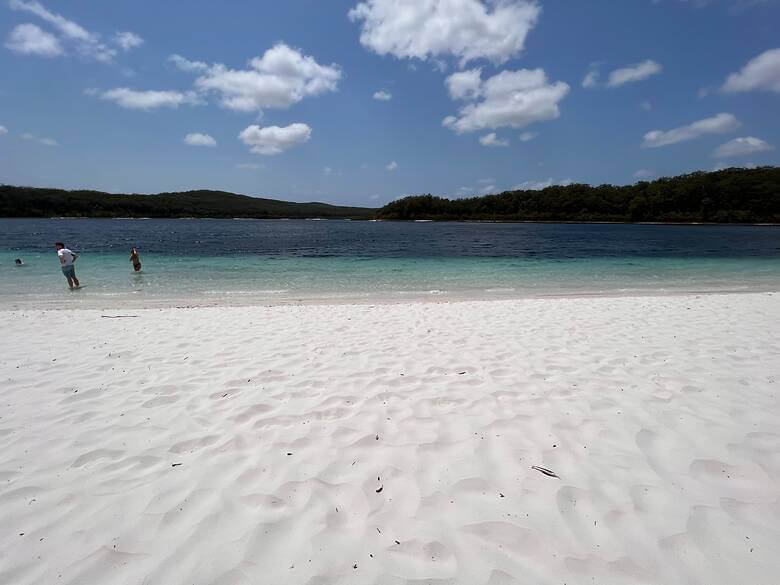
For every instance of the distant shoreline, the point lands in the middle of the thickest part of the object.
(547, 222)
(727, 197)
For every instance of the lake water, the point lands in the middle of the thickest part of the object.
(246, 261)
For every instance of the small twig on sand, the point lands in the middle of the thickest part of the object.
(118, 316)
(547, 472)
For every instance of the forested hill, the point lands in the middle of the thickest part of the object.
(32, 202)
(727, 196)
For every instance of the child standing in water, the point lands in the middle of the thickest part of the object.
(67, 258)
(135, 259)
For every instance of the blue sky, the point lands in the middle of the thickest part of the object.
(284, 99)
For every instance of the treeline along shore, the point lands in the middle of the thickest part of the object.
(35, 202)
(727, 196)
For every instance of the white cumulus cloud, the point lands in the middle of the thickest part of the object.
(527, 136)
(39, 140)
(492, 140)
(761, 72)
(465, 84)
(510, 98)
(128, 40)
(281, 77)
(383, 96)
(719, 124)
(392, 166)
(273, 140)
(633, 73)
(198, 139)
(427, 29)
(86, 43)
(149, 99)
(3, 130)
(742, 147)
(29, 39)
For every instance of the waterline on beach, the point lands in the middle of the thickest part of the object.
(240, 279)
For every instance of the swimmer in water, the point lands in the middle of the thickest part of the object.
(135, 259)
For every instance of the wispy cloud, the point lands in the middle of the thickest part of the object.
(29, 39)
(742, 147)
(187, 65)
(492, 140)
(85, 43)
(383, 96)
(39, 140)
(148, 99)
(719, 124)
(760, 73)
(591, 78)
(127, 40)
(633, 73)
(539, 185)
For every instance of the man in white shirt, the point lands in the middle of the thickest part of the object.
(67, 258)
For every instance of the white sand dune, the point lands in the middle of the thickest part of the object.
(394, 444)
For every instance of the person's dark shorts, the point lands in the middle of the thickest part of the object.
(69, 271)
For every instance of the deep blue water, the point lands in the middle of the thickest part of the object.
(283, 260)
(298, 238)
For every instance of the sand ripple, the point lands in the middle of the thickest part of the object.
(394, 444)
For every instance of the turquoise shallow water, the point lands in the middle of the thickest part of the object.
(224, 261)
(240, 279)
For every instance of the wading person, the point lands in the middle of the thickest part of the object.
(67, 258)
(135, 259)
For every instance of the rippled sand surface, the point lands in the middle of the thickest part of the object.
(537, 441)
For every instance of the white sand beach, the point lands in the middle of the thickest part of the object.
(392, 444)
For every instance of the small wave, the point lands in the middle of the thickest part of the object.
(421, 292)
(245, 292)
